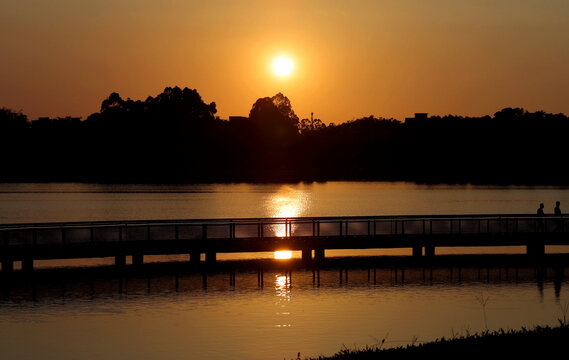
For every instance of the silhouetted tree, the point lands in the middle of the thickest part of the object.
(274, 118)
(273, 134)
(14, 144)
(159, 139)
(175, 137)
(12, 121)
(310, 124)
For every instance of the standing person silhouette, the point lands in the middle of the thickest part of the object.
(557, 212)
(540, 212)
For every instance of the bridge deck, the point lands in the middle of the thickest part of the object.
(28, 242)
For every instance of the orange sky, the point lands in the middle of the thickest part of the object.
(351, 58)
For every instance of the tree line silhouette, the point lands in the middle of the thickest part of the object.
(176, 137)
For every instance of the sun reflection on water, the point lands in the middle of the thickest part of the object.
(283, 293)
(283, 254)
(282, 287)
(287, 202)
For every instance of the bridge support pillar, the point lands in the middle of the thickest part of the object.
(28, 265)
(417, 251)
(7, 266)
(535, 249)
(318, 254)
(137, 259)
(210, 257)
(120, 260)
(195, 257)
(306, 254)
(429, 251)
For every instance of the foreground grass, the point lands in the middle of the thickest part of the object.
(521, 344)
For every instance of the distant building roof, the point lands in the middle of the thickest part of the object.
(418, 118)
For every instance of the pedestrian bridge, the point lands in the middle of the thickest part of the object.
(311, 235)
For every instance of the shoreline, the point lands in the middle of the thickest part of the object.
(541, 340)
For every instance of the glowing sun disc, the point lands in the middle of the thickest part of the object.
(282, 66)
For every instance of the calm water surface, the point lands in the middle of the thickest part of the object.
(88, 202)
(151, 319)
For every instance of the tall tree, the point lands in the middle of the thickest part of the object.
(274, 118)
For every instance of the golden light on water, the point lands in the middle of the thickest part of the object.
(283, 254)
(283, 293)
(286, 203)
(282, 287)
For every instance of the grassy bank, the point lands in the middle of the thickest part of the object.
(521, 344)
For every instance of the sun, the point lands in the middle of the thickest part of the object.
(282, 66)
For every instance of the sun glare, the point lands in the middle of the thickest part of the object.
(283, 254)
(282, 66)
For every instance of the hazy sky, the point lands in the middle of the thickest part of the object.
(351, 58)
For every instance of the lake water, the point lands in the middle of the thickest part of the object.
(176, 317)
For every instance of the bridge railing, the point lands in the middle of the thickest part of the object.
(194, 230)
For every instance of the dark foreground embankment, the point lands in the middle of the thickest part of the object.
(502, 344)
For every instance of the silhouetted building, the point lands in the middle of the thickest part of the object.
(419, 117)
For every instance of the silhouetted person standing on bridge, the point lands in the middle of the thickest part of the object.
(540, 212)
(557, 212)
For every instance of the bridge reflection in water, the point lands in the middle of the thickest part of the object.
(253, 275)
(312, 236)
